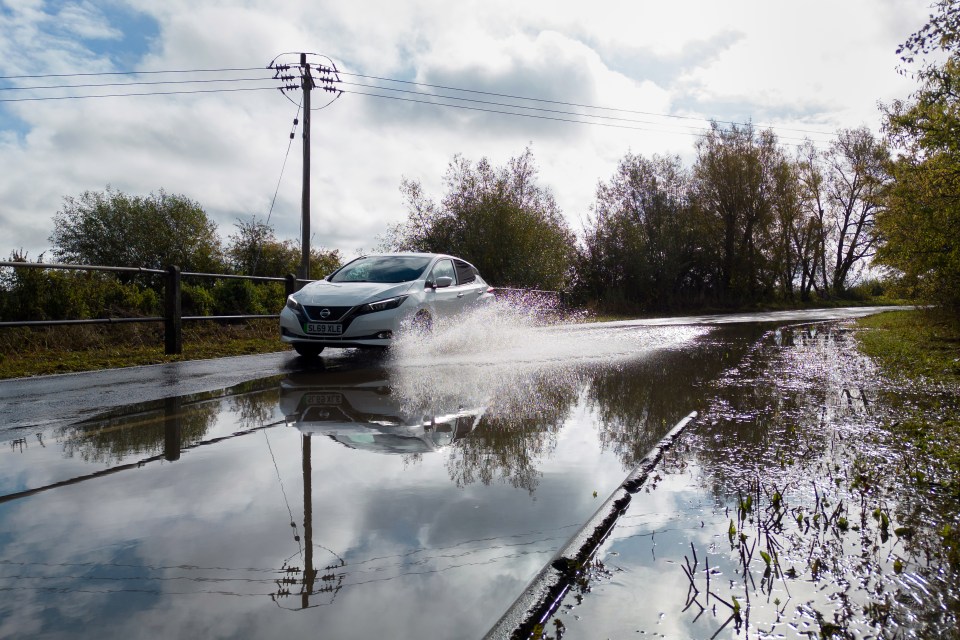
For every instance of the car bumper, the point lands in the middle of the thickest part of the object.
(368, 330)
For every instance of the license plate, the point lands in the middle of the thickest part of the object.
(323, 328)
(317, 398)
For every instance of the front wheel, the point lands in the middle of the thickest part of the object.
(308, 350)
(422, 322)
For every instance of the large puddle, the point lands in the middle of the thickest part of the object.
(786, 511)
(416, 496)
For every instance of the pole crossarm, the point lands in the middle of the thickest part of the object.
(307, 73)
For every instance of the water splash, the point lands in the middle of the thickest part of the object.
(514, 356)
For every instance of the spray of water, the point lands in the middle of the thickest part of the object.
(512, 355)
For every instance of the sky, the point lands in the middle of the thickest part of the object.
(659, 71)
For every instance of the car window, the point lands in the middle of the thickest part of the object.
(443, 268)
(465, 272)
(382, 269)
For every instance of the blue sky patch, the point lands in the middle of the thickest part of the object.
(125, 35)
(80, 37)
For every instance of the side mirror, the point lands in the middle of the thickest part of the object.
(443, 281)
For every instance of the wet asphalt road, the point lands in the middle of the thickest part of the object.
(51, 401)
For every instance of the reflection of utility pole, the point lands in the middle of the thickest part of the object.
(309, 573)
(331, 581)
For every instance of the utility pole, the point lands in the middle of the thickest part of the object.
(327, 77)
(307, 87)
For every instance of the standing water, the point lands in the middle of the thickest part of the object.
(417, 494)
(786, 511)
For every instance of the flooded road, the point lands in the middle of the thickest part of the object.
(786, 511)
(417, 495)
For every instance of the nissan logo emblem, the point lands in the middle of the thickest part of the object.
(325, 313)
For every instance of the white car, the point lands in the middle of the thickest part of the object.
(367, 302)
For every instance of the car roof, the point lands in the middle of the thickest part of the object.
(415, 254)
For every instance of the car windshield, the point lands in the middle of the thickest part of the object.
(382, 269)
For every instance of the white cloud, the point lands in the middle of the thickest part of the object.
(819, 65)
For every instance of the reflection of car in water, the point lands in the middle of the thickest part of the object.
(358, 410)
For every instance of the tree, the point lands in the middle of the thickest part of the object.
(787, 252)
(113, 229)
(809, 235)
(735, 177)
(856, 174)
(917, 229)
(255, 250)
(644, 244)
(500, 219)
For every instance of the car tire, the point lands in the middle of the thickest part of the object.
(422, 322)
(308, 350)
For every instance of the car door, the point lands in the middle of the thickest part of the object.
(471, 287)
(446, 301)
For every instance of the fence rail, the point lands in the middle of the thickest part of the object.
(172, 318)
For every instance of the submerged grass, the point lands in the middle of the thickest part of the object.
(33, 352)
(923, 348)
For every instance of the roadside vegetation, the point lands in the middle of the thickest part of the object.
(33, 352)
(922, 348)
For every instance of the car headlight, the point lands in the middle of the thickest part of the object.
(382, 305)
(293, 304)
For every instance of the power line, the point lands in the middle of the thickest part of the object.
(276, 191)
(511, 109)
(509, 113)
(133, 84)
(541, 117)
(127, 95)
(570, 104)
(503, 104)
(126, 73)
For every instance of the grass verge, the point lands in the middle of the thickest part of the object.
(33, 352)
(922, 347)
(914, 344)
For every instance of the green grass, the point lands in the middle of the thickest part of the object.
(34, 352)
(914, 344)
(923, 347)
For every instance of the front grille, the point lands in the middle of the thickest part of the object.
(313, 313)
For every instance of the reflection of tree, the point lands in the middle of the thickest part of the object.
(255, 408)
(637, 404)
(770, 410)
(139, 433)
(517, 431)
(165, 425)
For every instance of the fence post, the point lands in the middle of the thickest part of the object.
(290, 283)
(172, 322)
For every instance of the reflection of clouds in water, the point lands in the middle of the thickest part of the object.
(409, 541)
